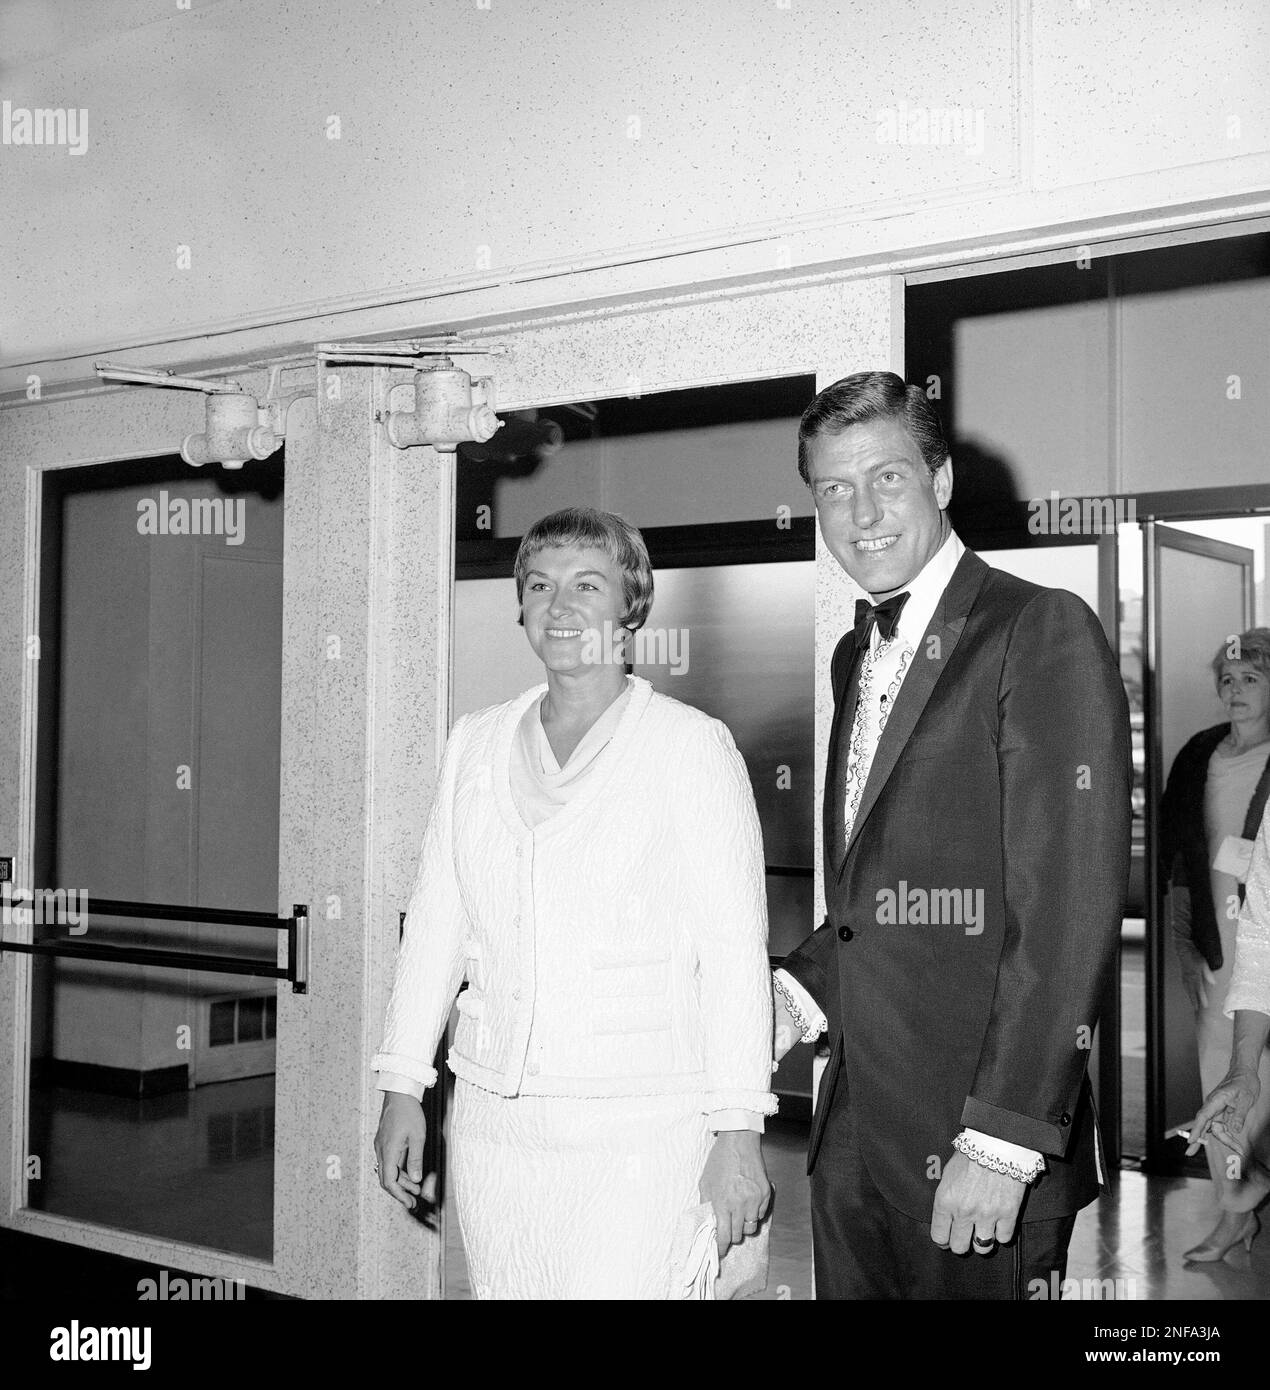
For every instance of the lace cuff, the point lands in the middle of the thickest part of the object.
(809, 1032)
(975, 1151)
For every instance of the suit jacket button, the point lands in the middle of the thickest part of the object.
(845, 933)
(1066, 1119)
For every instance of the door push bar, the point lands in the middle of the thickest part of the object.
(295, 972)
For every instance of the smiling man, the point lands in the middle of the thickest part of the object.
(980, 743)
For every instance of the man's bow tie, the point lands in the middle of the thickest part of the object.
(885, 614)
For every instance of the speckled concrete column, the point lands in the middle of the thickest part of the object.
(365, 678)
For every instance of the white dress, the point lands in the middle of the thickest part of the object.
(1227, 792)
(567, 1197)
(1250, 982)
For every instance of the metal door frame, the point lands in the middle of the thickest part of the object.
(1155, 539)
(20, 951)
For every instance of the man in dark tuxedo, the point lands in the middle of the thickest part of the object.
(976, 840)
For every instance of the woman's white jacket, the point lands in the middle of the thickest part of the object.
(618, 949)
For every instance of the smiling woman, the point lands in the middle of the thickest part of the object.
(594, 865)
(585, 585)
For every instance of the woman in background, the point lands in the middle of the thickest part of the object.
(593, 866)
(1213, 804)
(1226, 1111)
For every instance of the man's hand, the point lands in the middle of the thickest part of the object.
(399, 1147)
(1228, 1105)
(973, 1201)
(735, 1182)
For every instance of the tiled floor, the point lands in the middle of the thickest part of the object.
(1135, 1235)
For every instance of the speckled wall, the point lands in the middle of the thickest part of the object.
(248, 164)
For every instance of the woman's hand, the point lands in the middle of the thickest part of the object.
(735, 1183)
(1227, 1105)
(399, 1147)
(1196, 976)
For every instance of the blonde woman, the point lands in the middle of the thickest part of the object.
(593, 867)
(1227, 1124)
(1213, 803)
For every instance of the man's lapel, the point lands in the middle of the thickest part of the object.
(929, 660)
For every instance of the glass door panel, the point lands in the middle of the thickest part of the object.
(1199, 591)
(151, 1088)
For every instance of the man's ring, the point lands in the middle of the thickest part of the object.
(751, 1225)
(983, 1244)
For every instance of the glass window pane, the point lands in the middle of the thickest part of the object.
(220, 1030)
(251, 1015)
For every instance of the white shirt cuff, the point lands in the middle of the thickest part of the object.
(391, 1081)
(735, 1119)
(1027, 1160)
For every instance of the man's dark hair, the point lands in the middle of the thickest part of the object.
(873, 396)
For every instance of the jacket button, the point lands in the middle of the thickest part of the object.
(532, 1069)
(1065, 1119)
(845, 933)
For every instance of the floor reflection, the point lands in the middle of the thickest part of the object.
(1139, 1233)
(194, 1166)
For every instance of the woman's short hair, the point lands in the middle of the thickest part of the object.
(1252, 646)
(873, 396)
(586, 527)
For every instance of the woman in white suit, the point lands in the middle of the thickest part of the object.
(593, 867)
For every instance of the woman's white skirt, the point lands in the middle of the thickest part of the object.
(563, 1197)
